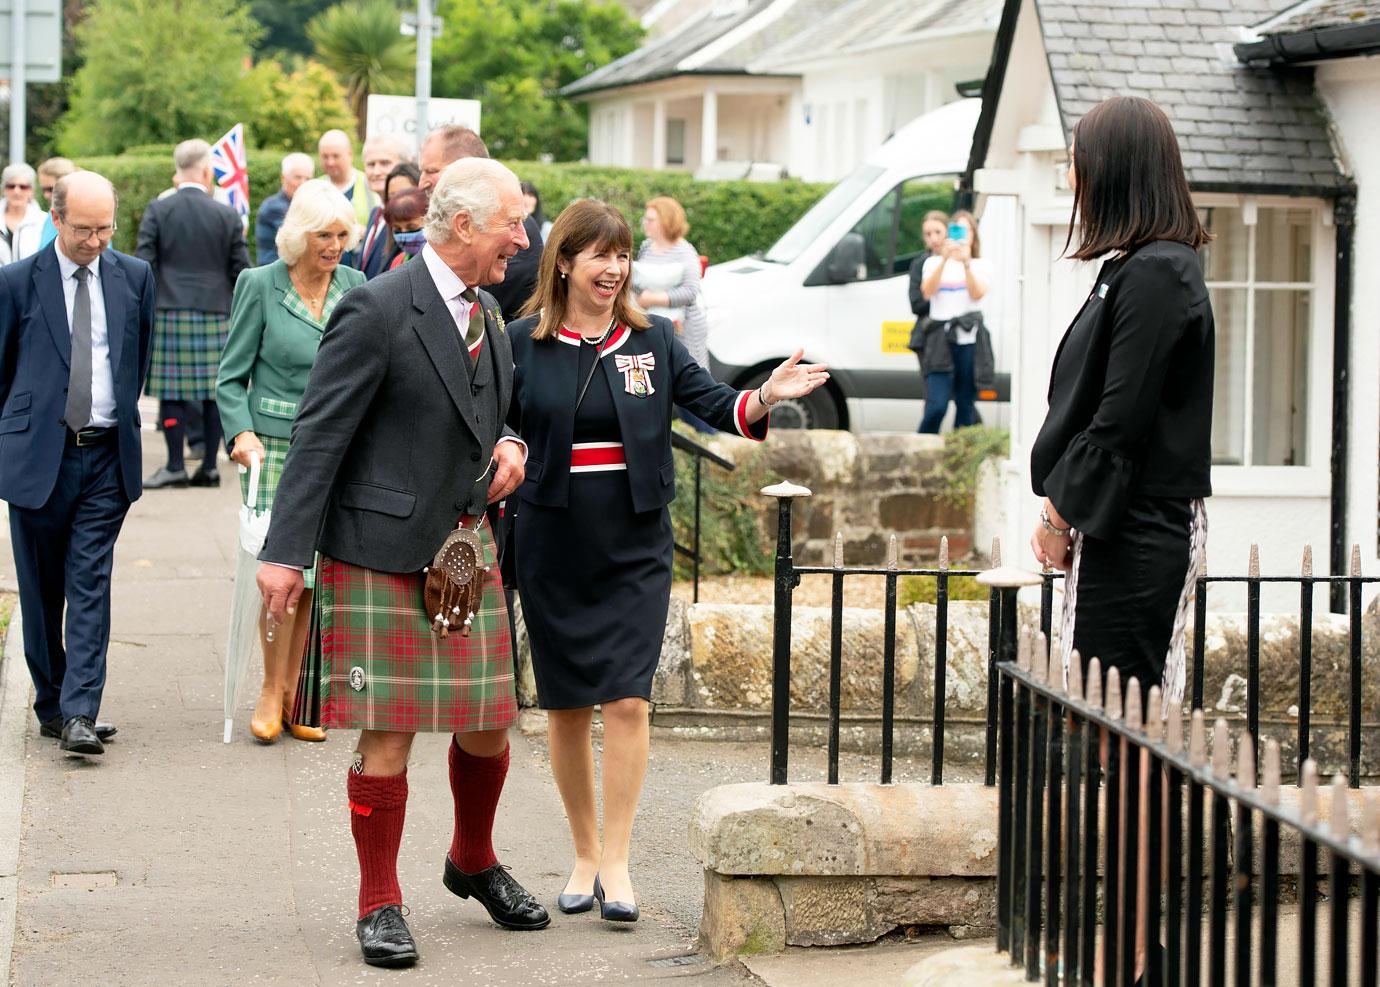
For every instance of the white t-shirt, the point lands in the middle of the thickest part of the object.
(952, 298)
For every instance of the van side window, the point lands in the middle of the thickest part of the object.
(891, 231)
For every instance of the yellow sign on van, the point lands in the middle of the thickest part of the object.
(895, 336)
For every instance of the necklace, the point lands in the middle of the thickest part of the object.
(311, 298)
(599, 341)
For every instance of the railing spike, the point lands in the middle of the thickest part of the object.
(1174, 728)
(1307, 568)
(996, 552)
(1054, 676)
(1154, 714)
(1370, 825)
(891, 552)
(1221, 749)
(1339, 811)
(1076, 675)
(1308, 793)
(1355, 560)
(1245, 762)
(1134, 717)
(1023, 648)
(838, 550)
(1253, 566)
(943, 551)
(1094, 684)
(1112, 706)
(1197, 739)
(1270, 777)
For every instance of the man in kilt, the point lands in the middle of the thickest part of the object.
(195, 246)
(399, 439)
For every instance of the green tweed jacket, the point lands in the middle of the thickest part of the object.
(270, 350)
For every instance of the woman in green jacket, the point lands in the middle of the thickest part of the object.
(276, 321)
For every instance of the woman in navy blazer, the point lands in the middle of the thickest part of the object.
(595, 389)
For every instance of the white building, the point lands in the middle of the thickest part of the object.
(771, 87)
(1296, 456)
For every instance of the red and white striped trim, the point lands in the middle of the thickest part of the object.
(597, 457)
(572, 338)
(740, 421)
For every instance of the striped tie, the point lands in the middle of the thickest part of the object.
(474, 332)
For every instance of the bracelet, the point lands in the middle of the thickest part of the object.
(762, 396)
(1050, 526)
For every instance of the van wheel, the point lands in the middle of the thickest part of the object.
(815, 410)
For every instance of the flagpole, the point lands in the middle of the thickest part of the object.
(423, 69)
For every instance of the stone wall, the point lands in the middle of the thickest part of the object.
(867, 487)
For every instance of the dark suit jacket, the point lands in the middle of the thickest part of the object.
(196, 248)
(35, 349)
(521, 280)
(1130, 393)
(266, 226)
(393, 438)
(547, 383)
(373, 252)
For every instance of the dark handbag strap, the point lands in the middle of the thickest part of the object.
(598, 355)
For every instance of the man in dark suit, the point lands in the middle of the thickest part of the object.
(399, 438)
(381, 155)
(451, 143)
(76, 321)
(297, 168)
(196, 248)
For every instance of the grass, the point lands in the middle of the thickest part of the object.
(7, 602)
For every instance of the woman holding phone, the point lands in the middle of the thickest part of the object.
(956, 350)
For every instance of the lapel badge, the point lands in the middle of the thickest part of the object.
(637, 370)
(498, 320)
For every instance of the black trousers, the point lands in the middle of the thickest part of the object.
(63, 555)
(1128, 589)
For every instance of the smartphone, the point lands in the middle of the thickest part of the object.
(958, 232)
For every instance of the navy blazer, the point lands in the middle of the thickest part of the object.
(546, 383)
(35, 349)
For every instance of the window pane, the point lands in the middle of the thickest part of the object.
(1224, 259)
(1280, 424)
(877, 229)
(1229, 397)
(1284, 245)
(918, 196)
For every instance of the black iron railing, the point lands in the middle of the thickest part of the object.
(698, 455)
(1068, 754)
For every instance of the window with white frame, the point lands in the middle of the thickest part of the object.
(1261, 275)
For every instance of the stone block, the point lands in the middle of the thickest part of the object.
(742, 915)
(965, 685)
(951, 901)
(824, 911)
(885, 453)
(731, 646)
(671, 683)
(846, 830)
(922, 510)
(964, 966)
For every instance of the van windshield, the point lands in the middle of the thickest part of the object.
(812, 225)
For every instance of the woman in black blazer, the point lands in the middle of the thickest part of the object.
(1124, 457)
(595, 389)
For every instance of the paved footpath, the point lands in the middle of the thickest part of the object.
(177, 859)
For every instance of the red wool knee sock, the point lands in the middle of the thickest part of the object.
(475, 784)
(378, 804)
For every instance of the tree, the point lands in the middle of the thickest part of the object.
(285, 25)
(515, 55)
(157, 71)
(289, 111)
(360, 42)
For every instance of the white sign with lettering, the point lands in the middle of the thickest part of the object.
(397, 115)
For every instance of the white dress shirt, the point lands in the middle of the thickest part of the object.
(102, 374)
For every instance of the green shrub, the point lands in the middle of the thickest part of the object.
(732, 537)
(925, 589)
(965, 450)
(728, 219)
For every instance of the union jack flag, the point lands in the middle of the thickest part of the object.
(232, 170)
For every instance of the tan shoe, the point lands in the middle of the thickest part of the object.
(301, 731)
(266, 723)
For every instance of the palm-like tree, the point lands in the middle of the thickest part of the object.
(359, 40)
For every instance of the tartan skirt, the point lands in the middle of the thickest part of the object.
(373, 663)
(275, 454)
(186, 354)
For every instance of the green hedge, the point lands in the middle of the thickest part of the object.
(727, 219)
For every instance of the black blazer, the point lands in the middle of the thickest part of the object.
(1130, 394)
(195, 246)
(547, 382)
(35, 367)
(520, 281)
(393, 439)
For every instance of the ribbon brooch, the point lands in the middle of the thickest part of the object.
(637, 372)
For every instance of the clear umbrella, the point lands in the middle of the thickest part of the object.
(246, 603)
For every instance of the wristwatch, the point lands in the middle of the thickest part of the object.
(1050, 526)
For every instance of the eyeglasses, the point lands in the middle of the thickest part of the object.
(86, 232)
(47, 189)
(19, 185)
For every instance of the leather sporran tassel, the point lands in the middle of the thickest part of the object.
(455, 583)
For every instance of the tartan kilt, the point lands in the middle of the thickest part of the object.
(373, 627)
(270, 473)
(186, 354)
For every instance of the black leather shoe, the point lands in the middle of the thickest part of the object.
(53, 729)
(205, 478)
(614, 911)
(79, 737)
(165, 477)
(508, 903)
(385, 939)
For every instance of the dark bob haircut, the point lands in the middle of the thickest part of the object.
(1130, 184)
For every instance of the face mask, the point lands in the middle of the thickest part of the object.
(410, 243)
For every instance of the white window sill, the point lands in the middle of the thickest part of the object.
(1270, 481)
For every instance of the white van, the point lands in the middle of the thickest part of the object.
(836, 284)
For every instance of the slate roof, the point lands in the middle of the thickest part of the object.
(1312, 15)
(1239, 127)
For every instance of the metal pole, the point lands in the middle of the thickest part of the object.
(423, 69)
(786, 580)
(18, 71)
